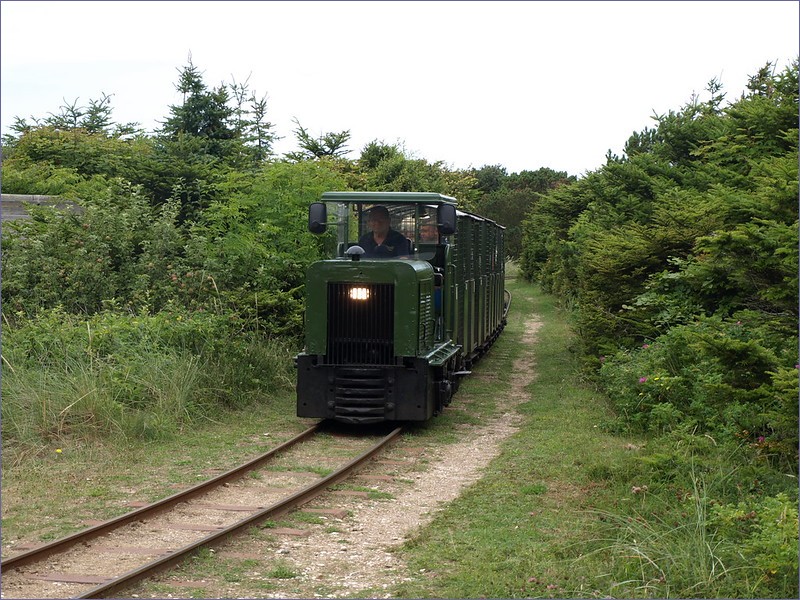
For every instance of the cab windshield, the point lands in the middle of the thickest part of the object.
(386, 230)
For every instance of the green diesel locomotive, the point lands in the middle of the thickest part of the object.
(412, 294)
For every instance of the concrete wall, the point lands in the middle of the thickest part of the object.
(12, 206)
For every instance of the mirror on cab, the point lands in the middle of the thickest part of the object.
(317, 217)
(447, 219)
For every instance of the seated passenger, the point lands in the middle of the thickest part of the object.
(383, 241)
(428, 233)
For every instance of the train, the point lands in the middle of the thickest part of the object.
(409, 296)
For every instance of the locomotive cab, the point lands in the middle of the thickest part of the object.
(382, 317)
(423, 228)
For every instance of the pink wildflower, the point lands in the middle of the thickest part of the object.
(642, 379)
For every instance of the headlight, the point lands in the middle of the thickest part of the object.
(359, 293)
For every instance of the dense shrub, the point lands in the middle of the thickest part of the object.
(761, 534)
(731, 379)
(246, 255)
(105, 255)
(256, 245)
(694, 231)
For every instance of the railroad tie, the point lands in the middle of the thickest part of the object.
(336, 513)
(71, 578)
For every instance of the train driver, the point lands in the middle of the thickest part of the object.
(383, 241)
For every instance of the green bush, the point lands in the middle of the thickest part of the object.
(728, 378)
(761, 537)
(109, 254)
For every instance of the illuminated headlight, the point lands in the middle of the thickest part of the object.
(359, 293)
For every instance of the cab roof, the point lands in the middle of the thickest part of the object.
(378, 197)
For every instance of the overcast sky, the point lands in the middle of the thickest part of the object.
(520, 84)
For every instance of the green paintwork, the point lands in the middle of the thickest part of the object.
(407, 277)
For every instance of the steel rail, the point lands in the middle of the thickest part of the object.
(282, 507)
(60, 545)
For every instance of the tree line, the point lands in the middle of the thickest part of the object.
(188, 257)
(209, 186)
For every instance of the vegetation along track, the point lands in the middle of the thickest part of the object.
(108, 557)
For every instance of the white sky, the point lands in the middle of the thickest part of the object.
(520, 84)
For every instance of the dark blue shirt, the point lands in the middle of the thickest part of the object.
(395, 244)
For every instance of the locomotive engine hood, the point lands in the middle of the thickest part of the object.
(362, 283)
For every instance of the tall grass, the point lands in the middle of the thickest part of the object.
(87, 399)
(671, 555)
(119, 376)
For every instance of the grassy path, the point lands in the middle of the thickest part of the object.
(524, 529)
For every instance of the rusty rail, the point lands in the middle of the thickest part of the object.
(60, 545)
(295, 500)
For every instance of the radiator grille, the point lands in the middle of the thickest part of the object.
(360, 332)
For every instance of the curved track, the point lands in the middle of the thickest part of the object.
(46, 558)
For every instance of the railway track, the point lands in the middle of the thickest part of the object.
(106, 558)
